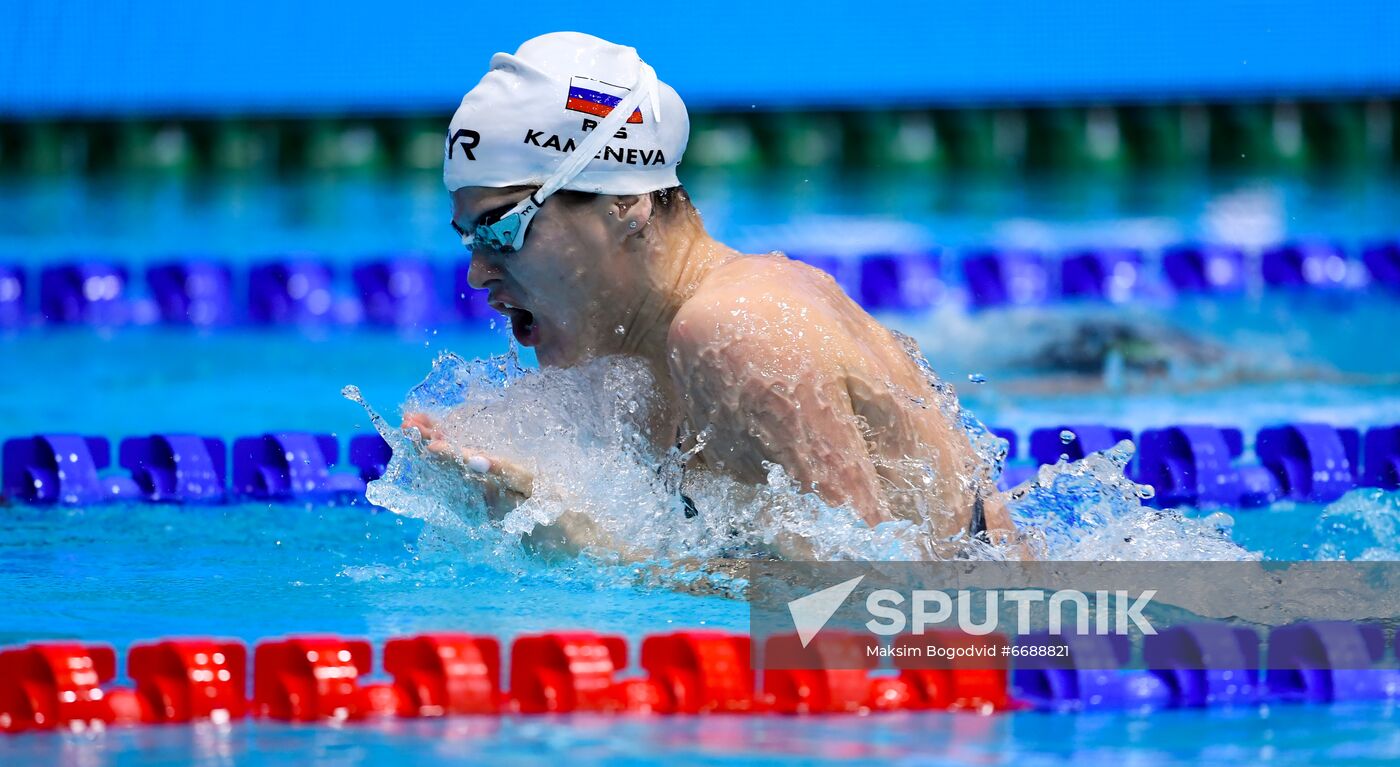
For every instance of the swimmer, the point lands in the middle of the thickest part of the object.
(561, 164)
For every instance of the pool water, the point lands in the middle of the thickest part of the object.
(119, 574)
(254, 570)
(1299, 735)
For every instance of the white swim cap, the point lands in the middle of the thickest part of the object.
(537, 108)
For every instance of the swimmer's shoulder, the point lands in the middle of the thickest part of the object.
(757, 285)
(756, 300)
(773, 272)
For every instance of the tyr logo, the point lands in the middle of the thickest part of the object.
(468, 140)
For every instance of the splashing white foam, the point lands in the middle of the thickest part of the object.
(582, 433)
(1088, 510)
(1363, 525)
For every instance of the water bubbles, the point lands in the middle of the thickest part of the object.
(1362, 525)
(1002, 448)
(1066, 436)
(352, 393)
(1219, 520)
(1145, 492)
(977, 378)
(1088, 510)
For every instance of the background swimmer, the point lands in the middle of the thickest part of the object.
(564, 187)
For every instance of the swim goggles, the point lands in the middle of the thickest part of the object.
(507, 233)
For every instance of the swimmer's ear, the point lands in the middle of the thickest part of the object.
(630, 214)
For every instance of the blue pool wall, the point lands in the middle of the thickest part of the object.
(101, 57)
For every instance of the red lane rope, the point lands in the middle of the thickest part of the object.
(64, 685)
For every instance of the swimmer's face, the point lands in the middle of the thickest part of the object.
(571, 283)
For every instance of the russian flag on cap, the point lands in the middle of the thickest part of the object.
(597, 98)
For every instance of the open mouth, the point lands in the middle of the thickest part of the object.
(522, 323)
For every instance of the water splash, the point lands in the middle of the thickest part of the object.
(352, 393)
(1363, 525)
(583, 435)
(1089, 510)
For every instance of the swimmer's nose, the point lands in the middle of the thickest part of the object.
(482, 270)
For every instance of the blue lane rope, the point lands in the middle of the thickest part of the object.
(1186, 464)
(406, 291)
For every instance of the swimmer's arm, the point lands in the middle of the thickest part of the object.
(771, 394)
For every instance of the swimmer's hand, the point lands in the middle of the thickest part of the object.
(501, 475)
(506, 484)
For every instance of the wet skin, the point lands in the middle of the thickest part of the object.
(767, 352)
